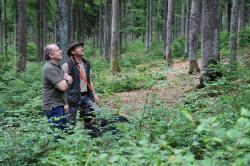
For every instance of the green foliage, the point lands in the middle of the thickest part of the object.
(224, 41)
(207, 127)
(223, 44)
(31, 52)
(137, 46)
(177, 47)
(245, 37)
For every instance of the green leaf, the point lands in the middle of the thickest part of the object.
(245, 141)
(143, 142)
(233, 133)
(245, 112)
(187, 114)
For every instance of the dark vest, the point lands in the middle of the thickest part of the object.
(74, 91)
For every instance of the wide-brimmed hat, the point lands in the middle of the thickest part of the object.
(72, 45)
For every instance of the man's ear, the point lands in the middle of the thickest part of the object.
(72, 52)
(51, 56)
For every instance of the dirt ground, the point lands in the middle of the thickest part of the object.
(176, 83)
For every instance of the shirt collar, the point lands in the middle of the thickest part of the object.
(55, 64)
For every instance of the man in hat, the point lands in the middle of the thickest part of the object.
(55, 84)
(81, 93)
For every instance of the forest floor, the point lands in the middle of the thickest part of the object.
(174, 84)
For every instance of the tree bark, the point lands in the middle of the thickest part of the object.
(169, 34)
(194, 35)
(81, 21)
(158, 22)
(62, 27)
(21, 36)
(233, 30)
(149, 26)
(5, 29)
(101, 27)
(241, 19)
(225, 20)
(187, 25)
(1, 28)
(229, 10)
(107, 30)
(40, 29)
(70, 24)
(210, 32)
(119, 27)
(183, 11)
(115, 38)
(164, 34)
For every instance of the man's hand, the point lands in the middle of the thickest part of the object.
(96, 98)
(66, 108)
(68, 78)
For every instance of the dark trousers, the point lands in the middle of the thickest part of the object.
(87, 109)
(57, 117)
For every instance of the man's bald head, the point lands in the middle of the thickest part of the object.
(48, 50)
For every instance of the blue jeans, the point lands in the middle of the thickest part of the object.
(57, 117)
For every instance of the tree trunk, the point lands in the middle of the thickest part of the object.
(5, 30)
(70, 27)
(15, 22)
(164, 34)
(210, 32)
(225, 26)
(241, 19)
(40, 29)
(101, 27)
(1, 29)
(22, 36)
(183, 10)
(62, 27)
(187, 30)
(169, 34)
(174, 21)
(158, 22)
(115, 38)
(194, 35)
(119, 27)
(229, 10)
(81, 20)
(107, 30)
(125, 24)
(248, 20)
(149, 26)
(233, 30)
(74, 20)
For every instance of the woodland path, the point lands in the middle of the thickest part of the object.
(174, 85)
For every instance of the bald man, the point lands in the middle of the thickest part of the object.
(55, 84)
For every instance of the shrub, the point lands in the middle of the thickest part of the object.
(177, 47)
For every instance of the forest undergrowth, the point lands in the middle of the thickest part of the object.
(170, 121)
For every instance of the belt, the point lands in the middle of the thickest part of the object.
(84, 93)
